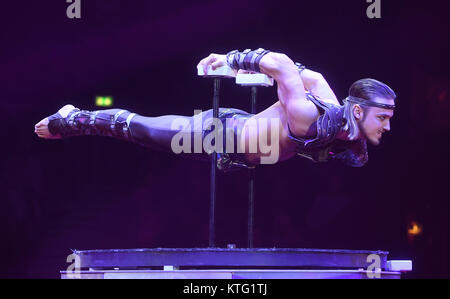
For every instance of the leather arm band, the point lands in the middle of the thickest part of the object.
(247, 60)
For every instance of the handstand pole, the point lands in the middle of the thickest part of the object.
(251, 184)
(212, 203)
(222, 72)
(252, 80)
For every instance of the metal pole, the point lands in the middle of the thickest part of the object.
(251, 185)
(212, 224)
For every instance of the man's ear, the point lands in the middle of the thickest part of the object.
(358, 112)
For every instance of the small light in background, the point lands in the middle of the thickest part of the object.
(414, 229)
(103, 101)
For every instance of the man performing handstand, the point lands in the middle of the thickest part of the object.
(309, 119)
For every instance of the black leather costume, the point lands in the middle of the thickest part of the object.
(233, 161)
(324, 146)
(157, 133)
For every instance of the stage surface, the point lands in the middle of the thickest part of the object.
(235, 263)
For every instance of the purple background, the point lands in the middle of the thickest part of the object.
(99, 193)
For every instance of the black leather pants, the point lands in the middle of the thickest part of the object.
(162, 133)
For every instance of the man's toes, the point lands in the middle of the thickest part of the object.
(43, 122)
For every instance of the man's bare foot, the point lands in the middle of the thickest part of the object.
(41, 128)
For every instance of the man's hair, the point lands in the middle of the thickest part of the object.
(366, 89)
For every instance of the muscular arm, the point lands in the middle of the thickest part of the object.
(291, 87)
(315, 83)
(291, 91)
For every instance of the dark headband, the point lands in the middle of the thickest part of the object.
(368, 103)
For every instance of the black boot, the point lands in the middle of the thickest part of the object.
(111, 122)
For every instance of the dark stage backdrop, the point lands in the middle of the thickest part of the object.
(99, 193)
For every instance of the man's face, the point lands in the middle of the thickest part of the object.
(376, 121)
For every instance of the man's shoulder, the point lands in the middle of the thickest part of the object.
(326, 120)
(323, 103)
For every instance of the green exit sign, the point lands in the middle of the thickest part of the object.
(103, 101)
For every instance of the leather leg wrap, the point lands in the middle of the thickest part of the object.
(112, 122)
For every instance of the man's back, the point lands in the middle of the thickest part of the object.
(274, 113)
